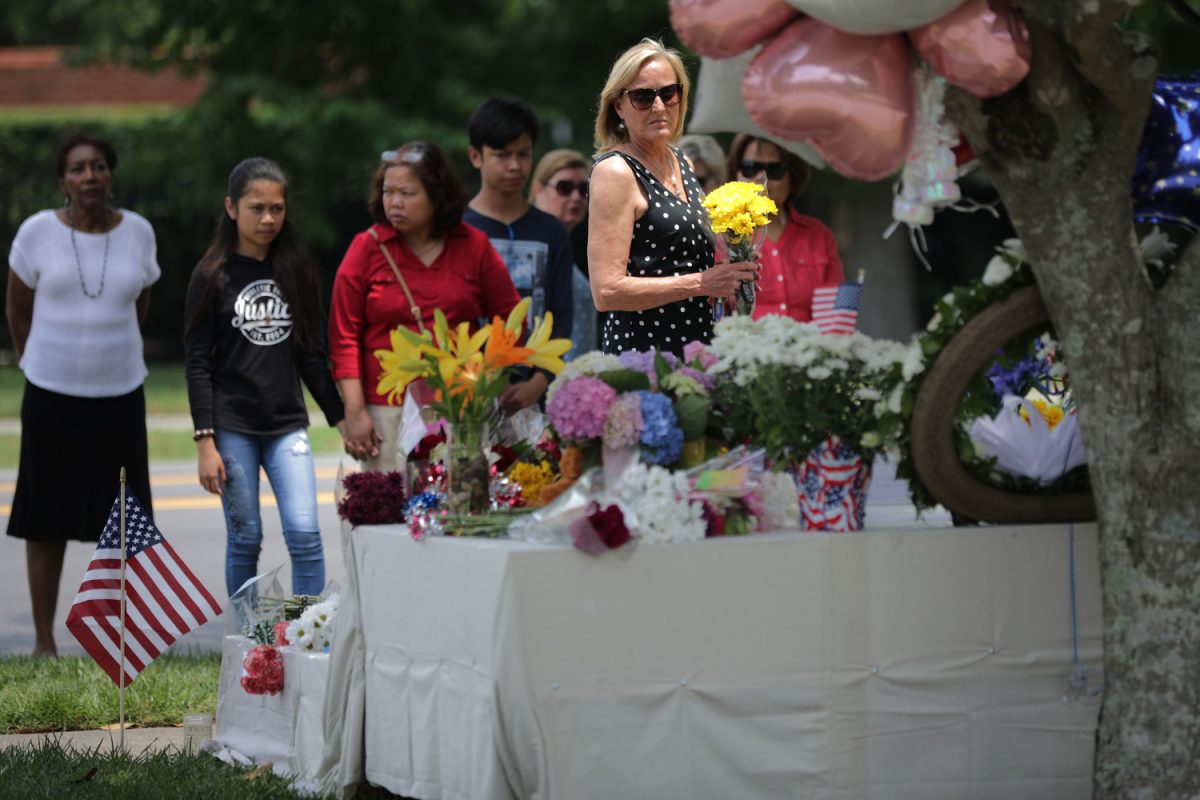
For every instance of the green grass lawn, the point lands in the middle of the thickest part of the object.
(50, 770)
(166, 394)
(73, 693)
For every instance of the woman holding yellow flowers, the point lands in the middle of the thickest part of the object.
(650, 249)
(418, 261)
(800, 253)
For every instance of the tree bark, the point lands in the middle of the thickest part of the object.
(1061, 148)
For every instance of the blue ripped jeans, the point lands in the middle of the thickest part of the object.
(287, 459)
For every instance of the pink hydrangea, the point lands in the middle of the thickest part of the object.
(699, 350)
(623, 428)
(579, 408)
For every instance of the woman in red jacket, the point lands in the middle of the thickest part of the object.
(800, 253)
(418, 256)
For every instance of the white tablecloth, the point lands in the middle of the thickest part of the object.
(915, 663)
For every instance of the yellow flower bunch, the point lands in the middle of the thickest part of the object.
(737, 208)
(1051, 413)
(468, 370)
(531, 477)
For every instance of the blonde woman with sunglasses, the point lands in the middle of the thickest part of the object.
(650, 249)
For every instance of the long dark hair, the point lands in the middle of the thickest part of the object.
(291, 267)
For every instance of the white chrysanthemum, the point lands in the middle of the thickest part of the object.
(314, 629)
(914, 362)
(661, 510)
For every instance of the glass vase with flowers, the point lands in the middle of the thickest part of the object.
(467, 371)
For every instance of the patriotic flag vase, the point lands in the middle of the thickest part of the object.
(833, 484)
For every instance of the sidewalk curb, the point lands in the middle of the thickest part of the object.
(137, 740)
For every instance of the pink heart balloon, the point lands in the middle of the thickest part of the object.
(981, 46)
(724, 28)
(850, 96)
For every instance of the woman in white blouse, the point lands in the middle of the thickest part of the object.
(78, 289)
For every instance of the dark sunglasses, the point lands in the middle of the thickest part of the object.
(565, 187)
(642, 99)
(774, 169)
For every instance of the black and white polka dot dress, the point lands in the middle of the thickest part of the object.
(672, 238)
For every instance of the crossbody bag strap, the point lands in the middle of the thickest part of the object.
(412, 304)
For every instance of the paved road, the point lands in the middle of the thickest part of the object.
(192, 521)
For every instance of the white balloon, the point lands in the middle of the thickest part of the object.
(717, 105)
(876, 16)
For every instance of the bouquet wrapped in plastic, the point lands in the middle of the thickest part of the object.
(1031, 440)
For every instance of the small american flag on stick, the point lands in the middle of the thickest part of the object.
(164, 600)
(835, 308)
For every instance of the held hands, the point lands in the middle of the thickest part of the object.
(359, 436)
(212, 466)
(721, 280)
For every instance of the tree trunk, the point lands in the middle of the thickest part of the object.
(1061, 149)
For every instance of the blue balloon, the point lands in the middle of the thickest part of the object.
(1166, 179)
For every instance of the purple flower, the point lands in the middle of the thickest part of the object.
(580, 407)
(643, 361)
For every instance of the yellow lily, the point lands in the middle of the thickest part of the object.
(516, 317)
(547, 352)
(402, 364)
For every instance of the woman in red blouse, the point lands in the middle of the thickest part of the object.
(800, 253)
(417, 257)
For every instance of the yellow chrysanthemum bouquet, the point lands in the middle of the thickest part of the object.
(739, 212)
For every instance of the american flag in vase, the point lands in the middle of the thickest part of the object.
(835, 308)
(833, 486)
(164, 600)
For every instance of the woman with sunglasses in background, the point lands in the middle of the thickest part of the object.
(650, 247)
(418, 257)
(560, 188)
(800, 253)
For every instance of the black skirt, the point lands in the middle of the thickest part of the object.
(72, 451)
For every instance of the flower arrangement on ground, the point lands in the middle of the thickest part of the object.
(269, 620)
(738, 212)
(313, 629)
